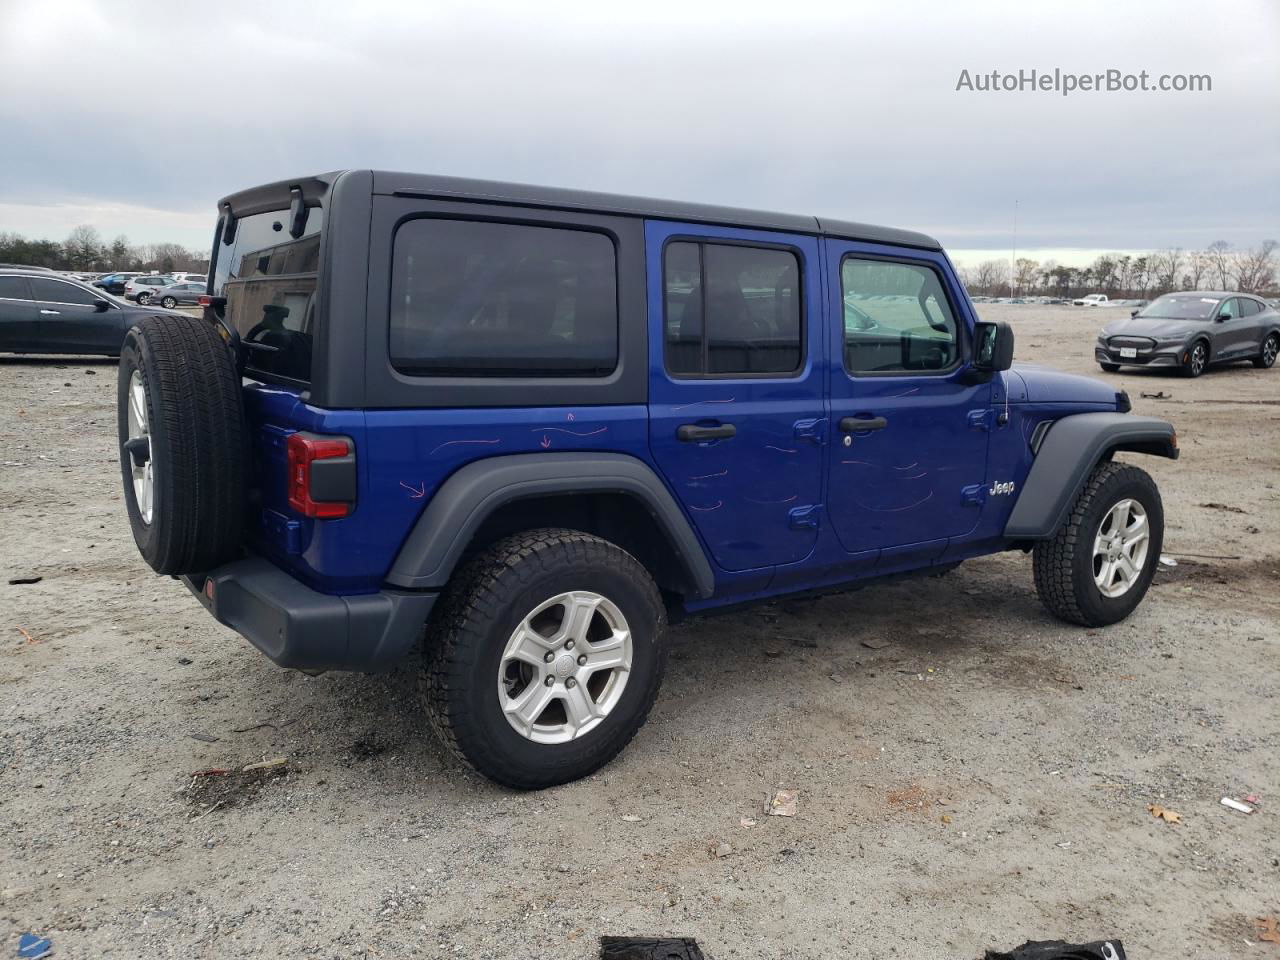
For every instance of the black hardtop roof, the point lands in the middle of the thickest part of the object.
(389, 183)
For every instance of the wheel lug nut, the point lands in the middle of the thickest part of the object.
(571, 683)
(548, 656)
(550, 681)
(582, 660)
(568, 644)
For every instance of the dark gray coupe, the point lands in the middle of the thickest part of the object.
(1189, 331)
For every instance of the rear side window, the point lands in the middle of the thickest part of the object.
(731, 310)
(896, 319)
(1249, 307)
(269, 280)
(487, 299)
(13, 288)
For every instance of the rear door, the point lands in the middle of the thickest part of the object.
(70, 318)
(736, 401)
(19, 323)
(908, 429)
(1231, 335)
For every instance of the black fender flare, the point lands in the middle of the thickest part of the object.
(463, 502)
(1068, 452)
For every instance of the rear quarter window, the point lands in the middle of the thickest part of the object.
(480, 298)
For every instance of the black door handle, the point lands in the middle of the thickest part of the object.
(693, 433)
(862, 424)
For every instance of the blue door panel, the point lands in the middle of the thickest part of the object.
(755, 498)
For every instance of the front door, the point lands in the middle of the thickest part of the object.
(71, 319)
(909, 424)
(19, 326)
(736, 411)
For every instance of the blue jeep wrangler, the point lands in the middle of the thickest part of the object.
(525, 426)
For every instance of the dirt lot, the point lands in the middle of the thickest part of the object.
(971, 772)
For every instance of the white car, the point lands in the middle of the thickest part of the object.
(141, 288)
(1092, 300)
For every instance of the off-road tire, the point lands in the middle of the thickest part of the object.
(197, 443)
(1109, 367)
(1197, 361)
(1063, 565)
(168, 302)
(1266, 357)
(485, 600)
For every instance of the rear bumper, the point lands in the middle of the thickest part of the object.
(300, 628)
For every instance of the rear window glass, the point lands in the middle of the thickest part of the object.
(472, 298)
(269, 280)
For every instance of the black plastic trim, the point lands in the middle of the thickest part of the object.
(460, 506)
(301, 628)
(1072, 447)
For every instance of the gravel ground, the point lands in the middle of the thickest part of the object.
(971, 773)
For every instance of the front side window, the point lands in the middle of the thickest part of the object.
(55, 291)
(13, 288)
(1230, 308)
(731, 310)
(896, 319)
(474, 298)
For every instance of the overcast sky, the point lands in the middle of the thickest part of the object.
(136, 117)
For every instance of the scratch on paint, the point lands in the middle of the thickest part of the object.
(909, 466)
(710, 476)
(909, 506)
(544, 442)
(905, 393)
(916, 476)
(770, 446)
(449, 443)
(718, 504)
(771, 502)
(686, 406)
(572, 433)
(861, 463)
(418, 492)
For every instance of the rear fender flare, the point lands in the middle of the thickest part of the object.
(463, 502)
(1068, 452)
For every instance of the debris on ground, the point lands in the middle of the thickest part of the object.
(216, 787)
(30, 946)
(22, 581)
(1267, 929)
(1253, 799)
(27, 636)
(722, 849)
(784, 803)
(265, 764)
(204, 737)
(1060, 950)
(1163, 813)
(631, 818)
(748, 822)
(1236, 805)
(875, 644)
(1213, 505)
(649, 948)
(1167, 561)
(1157, 396)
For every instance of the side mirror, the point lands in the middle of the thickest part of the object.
(101, 306)
(993, 346)
(1134, 313)
(1223, 316)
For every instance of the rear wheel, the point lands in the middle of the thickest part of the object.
(144, 296)
(1267, 357)
(544, 657)
(181, 444)
(168, 302)
(1098, 567)
(1196, 360)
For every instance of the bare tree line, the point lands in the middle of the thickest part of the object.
(1217, 267)
(85, 250)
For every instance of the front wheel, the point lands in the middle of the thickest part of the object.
(168, 302)
(1098, 567)
(1196, 360)
(544, 657)
(1267, 357)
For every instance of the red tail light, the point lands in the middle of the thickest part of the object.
(322, 467)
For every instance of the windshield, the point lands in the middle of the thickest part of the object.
(1181, 306)
(269, 281)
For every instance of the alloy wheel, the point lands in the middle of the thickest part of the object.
(1120, 548)
(138, 449)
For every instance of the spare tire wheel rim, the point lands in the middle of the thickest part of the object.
(1120, 548)
(565, 666)
(138, 449)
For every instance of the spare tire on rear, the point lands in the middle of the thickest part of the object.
(182, 443)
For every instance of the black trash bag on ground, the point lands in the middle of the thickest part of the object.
(649, 948)
(1058, 950)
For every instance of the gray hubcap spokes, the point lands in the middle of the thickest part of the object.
(138, 449)
(1197, 358)
(565, 666)
(1269, 349)
(1120, 548)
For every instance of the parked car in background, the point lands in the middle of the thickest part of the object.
(200, 278)
(44, 313)
(1092, 300)
(114, 282)
(170, 296)
(142, 287)
(1190, 331)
